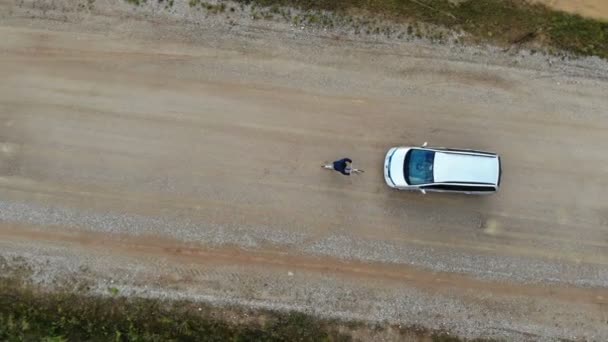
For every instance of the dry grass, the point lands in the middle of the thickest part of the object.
(503, 22)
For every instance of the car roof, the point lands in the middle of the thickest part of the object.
(465, 167)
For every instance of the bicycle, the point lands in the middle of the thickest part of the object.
(331, 167)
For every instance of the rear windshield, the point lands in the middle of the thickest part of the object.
(418, 167)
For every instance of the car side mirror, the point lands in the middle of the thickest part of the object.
(423, 191)
(425, 144)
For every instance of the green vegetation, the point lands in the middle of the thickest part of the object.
(212, 8)
(29, 314)
(503, 22)
(168, 5)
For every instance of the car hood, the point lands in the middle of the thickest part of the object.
(396, 166)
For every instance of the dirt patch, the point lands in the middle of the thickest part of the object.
(588, 8)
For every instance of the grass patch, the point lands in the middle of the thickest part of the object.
(26, 315)
(113, 291)
(502, 22)
(29, 314)
(211, 8)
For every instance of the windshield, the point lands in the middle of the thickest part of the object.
(418, 167)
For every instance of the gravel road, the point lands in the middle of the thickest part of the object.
(177, 155)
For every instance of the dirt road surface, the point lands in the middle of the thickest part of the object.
(181, 158)
(589, 8)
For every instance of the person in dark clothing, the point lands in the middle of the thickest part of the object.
(343, 166)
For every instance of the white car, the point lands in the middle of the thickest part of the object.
(442, 170)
